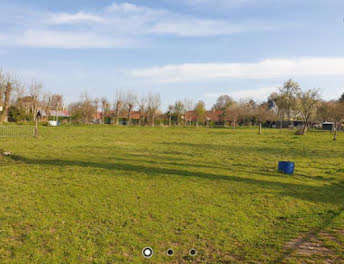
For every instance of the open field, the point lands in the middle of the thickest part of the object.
(99, 194)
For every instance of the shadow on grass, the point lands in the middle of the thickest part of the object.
(267, 171)
(309, 153)
(332, 194)
(326, 223)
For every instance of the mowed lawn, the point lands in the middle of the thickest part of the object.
(100, 194)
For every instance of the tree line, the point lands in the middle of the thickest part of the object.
(20, 103)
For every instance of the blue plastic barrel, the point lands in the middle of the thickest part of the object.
(286, 167)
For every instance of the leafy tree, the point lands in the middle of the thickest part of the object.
(223, 102)
(169, 113)
(16, 114)
(179, 109)
(200, 112)
(307, 105)
(288, 98)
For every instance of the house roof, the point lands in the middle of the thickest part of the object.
(209, 115)
(59, 113)
(135, 115)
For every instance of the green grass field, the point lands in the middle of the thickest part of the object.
(100, 194)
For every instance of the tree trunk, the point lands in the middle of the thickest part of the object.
(281, 126)
(260, 128)
(7, 102)
(169, 121)
(129, 116)
(335, 131)
(36, 127)
(304, 128)
(117, 117)
(153, 117)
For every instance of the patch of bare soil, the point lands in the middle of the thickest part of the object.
(311, 248)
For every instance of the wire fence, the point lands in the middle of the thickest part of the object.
(16, 131)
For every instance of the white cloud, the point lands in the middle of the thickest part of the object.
(108, 26)
(258, 94)
(80, 17)
(60, 39)
(267, 69)
(218, 2)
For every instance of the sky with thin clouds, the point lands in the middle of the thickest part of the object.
(196, 49)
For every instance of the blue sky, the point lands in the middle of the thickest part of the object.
(195, 49)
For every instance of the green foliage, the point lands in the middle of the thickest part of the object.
(200, 111)
(224, 102)
(99, 194)
(17, 115)
(341, 99)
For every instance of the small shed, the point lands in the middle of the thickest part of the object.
(327, 125)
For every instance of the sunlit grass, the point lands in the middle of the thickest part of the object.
(100, 194)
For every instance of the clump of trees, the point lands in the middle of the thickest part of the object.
(289, 105)
(21, 103)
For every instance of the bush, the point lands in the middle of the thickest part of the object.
(16, 115)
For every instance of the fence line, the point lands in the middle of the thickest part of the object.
(16, 131)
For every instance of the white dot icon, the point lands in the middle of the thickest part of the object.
(147, 252)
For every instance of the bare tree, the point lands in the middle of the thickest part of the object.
(332, 111)
(56, 103)
(307, 105)
(35, 92)
(153, 104)
(118, 106)
(188, 107)
(6, 102)
(275, 103)
(8, 84)
(84, 110)
(232, 114)
(261, 113)
(2, 88)
(105, 108)
(143, 110)
(96, 102)
(130, 101)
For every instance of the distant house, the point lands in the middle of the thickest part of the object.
(123, 117)
(55, 113)
(215, 116)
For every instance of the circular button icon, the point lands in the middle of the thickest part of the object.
(147, 252)
(193, 252)
(170, 252)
